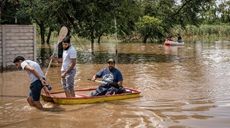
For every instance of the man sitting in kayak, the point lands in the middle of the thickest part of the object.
(111, 80)
(169, 38)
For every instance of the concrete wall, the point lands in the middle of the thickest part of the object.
(16, 40)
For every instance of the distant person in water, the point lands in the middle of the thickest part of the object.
(179, 39)
(169, 38)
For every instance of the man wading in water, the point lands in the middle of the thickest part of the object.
(37, 80)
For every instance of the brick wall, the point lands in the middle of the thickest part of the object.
(16, 40)
(1, 47)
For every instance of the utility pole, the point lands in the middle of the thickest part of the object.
(115, 24)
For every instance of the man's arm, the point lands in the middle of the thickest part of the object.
(94, 77)
(116, 85)
(55, 58)
(32, 70)
(73, 63)
(120, 83)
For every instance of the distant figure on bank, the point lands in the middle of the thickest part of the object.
(37, 80)
(179, 39)
(68, 68)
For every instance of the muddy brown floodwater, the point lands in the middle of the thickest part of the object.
(181, 86)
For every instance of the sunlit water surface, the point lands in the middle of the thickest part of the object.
(181, 86)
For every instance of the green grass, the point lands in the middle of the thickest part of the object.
(204, 32)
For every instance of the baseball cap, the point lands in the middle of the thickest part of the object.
(111, 60)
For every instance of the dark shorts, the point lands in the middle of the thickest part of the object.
(35, 90)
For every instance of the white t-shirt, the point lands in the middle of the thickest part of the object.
(67, 55)
(34, 65)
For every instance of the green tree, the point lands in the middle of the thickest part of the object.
(43, 13)
(209, 13)
(173, 12)
(93, 19)
(149, 27)
(224, 9)
(162, 10)
(11, 12)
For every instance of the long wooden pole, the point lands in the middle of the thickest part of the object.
(62, 34)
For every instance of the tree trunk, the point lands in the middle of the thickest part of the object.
(92, 46)
(42, 33)
(145, 38)
(99, 39)
(92, 41)
(48, 37)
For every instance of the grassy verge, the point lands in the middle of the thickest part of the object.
(204, 32)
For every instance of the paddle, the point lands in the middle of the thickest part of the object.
(115, 85)
(62, 34)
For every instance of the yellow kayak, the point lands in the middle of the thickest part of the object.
(82, 96)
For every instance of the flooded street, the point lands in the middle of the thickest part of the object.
(181, 86)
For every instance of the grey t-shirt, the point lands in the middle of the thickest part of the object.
(34, 65)
(67, 55)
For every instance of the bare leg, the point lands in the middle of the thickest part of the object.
(38, 105)
(72, 94)
(67, 93)
(30, 101)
